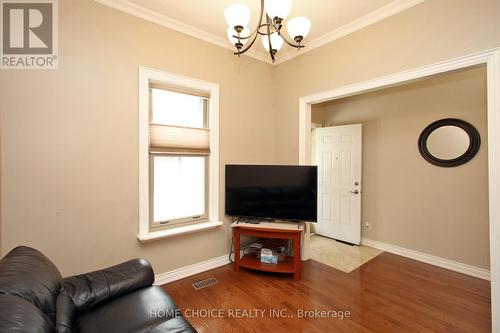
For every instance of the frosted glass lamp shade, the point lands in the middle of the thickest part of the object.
(299, 26)
(237, 15)
(276, 41)
(231, 32)
(278, 8)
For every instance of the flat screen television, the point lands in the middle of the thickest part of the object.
(280, 192)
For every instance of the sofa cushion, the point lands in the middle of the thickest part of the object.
(83, 292)
(27, 273)
(145, 310)
(88, 290)
(19, 315)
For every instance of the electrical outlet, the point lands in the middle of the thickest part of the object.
(368, 225)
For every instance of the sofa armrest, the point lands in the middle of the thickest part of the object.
(81, 293)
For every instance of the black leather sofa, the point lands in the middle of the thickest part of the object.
(35, 298)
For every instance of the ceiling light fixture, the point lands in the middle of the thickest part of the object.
(275, 11)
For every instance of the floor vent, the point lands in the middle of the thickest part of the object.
(204, 283)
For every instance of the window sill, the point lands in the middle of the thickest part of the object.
(176, 231)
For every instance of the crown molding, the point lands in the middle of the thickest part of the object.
(373, 17)
(170, 23)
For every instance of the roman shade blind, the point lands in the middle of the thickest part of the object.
(175, 139)
(180, 90)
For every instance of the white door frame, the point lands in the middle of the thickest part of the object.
(490, 58)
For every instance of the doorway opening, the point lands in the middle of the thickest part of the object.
(406, 201)
(491, 59)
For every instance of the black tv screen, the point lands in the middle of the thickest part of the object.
(279, 192)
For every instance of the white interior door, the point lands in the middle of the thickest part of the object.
(338, 157)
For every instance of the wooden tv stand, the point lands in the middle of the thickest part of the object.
(277, 230)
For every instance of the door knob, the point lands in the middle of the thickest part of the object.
(354, 192)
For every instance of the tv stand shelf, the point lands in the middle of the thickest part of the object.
(251, 261)
(268, 230)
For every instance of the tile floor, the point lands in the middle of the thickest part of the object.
(340, 256)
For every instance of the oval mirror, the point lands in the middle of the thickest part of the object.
(449, 142)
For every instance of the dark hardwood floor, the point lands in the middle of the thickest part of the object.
(388, 294)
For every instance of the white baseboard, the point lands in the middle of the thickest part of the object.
(183, 272)
(429, 259)
(203, 266)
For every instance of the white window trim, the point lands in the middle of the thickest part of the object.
(145, 76)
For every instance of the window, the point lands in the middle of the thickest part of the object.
(178, 155)
(179, 144)
(179, 191)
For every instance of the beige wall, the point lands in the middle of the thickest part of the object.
(70, 139)
(409, 202)
(433, 31)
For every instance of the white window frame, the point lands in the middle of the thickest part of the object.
(146, 75)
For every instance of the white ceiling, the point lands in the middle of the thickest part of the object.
(331, 19)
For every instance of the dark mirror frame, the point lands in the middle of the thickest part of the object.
(474, 137)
